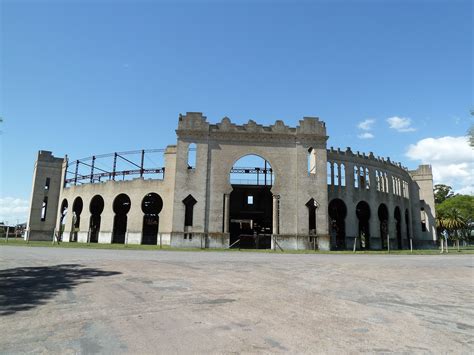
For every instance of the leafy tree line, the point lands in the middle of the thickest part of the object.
(454, 214)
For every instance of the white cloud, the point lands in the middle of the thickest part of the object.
(400, 124)
(366, 135)
(452, 160)
(366, 128)
(366, 125)
(13, 209)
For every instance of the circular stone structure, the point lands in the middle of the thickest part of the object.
(225, 185)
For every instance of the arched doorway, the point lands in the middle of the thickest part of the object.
(121, 207)
(337, 225)
(152, 205)
(76, 218)
(363, 214)
(383, 219)
(251, 207)
(96, 207)
(62, 217)
(398, 226)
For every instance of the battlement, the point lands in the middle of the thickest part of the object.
(348, 153)
(47, 156)
(197, 122)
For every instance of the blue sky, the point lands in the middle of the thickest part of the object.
(84, 77)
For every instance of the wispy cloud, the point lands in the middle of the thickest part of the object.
(400, 124)
(366, 128)
(366, 125)
(13, 209)
(366, 135)
(452, 160)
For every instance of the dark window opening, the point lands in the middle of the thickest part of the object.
(189, 203)
(121, 207)
(383, 218)
(363, 215)
(152, 205)
(46, 185)
(96, 207)
(44, 208)
(398, 226)
(311, 204)
(77, 207)
(337, 211)
(423, 226)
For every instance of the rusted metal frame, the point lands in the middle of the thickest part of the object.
(97, 176)
(141, 164)
(75, 174)
(131, 162)
(115, 166)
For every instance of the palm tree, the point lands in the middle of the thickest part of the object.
(453, 221)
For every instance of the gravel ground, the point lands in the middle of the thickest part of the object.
(71, 301)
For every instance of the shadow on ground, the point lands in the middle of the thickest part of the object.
(24, 288)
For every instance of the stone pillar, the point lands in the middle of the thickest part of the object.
(276, 214)
(339, 180)
(226, 212)
(332, 173)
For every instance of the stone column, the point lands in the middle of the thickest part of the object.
(226, 212)
(276, 214)
(339, 180)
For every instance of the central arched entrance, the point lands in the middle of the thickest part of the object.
(250, 212)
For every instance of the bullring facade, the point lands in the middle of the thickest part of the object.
(295, 193)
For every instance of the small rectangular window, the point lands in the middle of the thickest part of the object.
(46, 185)
(423, 226)
(249, 200)
(44, 209)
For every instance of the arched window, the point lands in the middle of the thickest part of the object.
(311, 161)
(330, 172)
(189, 203)
(356, 177)
(62, 216)
(252, 170)
(152, 205)
(363, 215)
(343, 175)
(367, 178)
(76, 217)
(337, 176)
(121, 206)
(96, 207)
(312, 206)
(192, 156)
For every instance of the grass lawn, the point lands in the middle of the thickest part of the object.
(21, 242)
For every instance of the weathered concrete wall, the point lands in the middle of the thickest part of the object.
(136, 190)
(399, 190)
(46, 167)
(303, 169)
(425, 204)
(220, 146)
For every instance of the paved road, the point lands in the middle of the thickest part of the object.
(70, 301)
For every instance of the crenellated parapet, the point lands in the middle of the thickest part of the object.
(362, 158)
(194, 124)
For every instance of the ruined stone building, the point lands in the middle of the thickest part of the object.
(226, 185)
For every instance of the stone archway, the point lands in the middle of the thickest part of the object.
(250, 203)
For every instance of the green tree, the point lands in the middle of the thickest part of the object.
(442, 193)
(453, 221)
